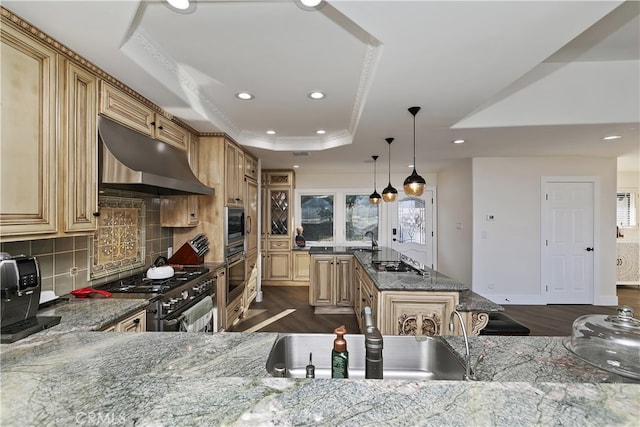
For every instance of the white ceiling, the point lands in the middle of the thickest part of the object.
(513, 78)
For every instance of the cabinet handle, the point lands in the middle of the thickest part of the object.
(96, 214)
(192, 214)
(152, 123)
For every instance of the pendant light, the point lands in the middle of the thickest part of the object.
(389, 194)
(414, 184)
(374, 198)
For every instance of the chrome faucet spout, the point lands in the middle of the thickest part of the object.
(467, 356)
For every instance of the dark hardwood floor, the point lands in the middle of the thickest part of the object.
(542, 320)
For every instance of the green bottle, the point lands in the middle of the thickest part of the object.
(340, 355)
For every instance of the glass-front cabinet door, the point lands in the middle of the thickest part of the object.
(279, 212)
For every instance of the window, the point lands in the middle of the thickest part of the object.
(411, 221)
(360, 216)
(626, 209)
(317, 217)
(339, 217)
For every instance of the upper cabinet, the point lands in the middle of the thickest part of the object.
(134, 114)
(234, 174)
(250, 167)
(28, 150)
(79, 162)
(48, 169)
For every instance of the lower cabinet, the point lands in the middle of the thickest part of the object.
(251, 287)
(331, 280)
(301, 264)
(235, 310)
(417, 313)
(137, 322)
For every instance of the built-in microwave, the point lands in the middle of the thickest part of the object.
(233, 225)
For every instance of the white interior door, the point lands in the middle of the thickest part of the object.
(412, 227)
(567, 245)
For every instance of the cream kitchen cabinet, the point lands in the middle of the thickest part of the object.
(251, 215)
(276, 266)
(234, 175)
(48, 159)
(365, 295)
(136, 322)
(301, 266)
(135, 114)
(182, 211)
(417, 313)
(79, 162)
(28, 151)
(628, 263)
(250, 167)
(331, 280)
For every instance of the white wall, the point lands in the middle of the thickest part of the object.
(455, 222)
(506, 252)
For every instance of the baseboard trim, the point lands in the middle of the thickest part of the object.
(516, 299)
(333, 310)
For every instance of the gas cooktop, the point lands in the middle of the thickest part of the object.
(139, 283)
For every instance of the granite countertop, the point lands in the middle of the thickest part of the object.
(220, 379)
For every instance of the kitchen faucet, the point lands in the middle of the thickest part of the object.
(374, 244)
(469, 373)
(373, 346)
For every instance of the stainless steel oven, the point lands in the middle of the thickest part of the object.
(235, 258)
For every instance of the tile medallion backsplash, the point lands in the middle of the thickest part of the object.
(118, 243)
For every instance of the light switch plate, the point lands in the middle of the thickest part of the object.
(491, 217)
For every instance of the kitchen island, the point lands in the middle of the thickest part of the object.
(178, 379)
(405, 297)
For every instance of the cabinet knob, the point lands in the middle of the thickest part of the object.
(152, 123)
(96, 214)
(160, 127)
(136, 321)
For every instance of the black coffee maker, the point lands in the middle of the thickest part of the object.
(20, 298)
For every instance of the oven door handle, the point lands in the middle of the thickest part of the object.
(172, 322)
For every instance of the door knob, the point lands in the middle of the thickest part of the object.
(589, 249)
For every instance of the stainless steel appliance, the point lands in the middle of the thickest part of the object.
(235, 259)
(233, 226)
(169, 298)
(20, 286)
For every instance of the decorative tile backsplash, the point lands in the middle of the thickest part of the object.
(66, 263)
(119, 241)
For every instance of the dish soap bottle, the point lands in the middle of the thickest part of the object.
(340, 355)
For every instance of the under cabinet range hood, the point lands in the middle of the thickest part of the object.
(132, 161)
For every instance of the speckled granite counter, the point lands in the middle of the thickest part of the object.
(199, 379)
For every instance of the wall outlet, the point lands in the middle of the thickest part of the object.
(169, 251)
(491, 217)
(459, 225)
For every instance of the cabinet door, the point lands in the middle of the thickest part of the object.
(301, 264)
(221, 297)
(28, 181)
(232, 195)
(171, 133)
(134, 323)
(250, 167)
(79, 165)
(418, 313)
(279, 265)
(343, 265)
(179, 211)
(251, 215)
(125, 110)
(321, 280)
(278, 213)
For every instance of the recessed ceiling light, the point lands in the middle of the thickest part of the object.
(184, 7)
(244, 96)
(271, 132)
(611, 137)
(458, 141)
(316, 95)
(321, 132)
(296, 166)
(410, 166)
(310, 3)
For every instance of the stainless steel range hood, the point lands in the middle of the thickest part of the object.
(135, 162)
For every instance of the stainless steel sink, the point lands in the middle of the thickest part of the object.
(404, 357)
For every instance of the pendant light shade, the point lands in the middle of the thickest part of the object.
(374, 198)
(389, 194)
(414, 184)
